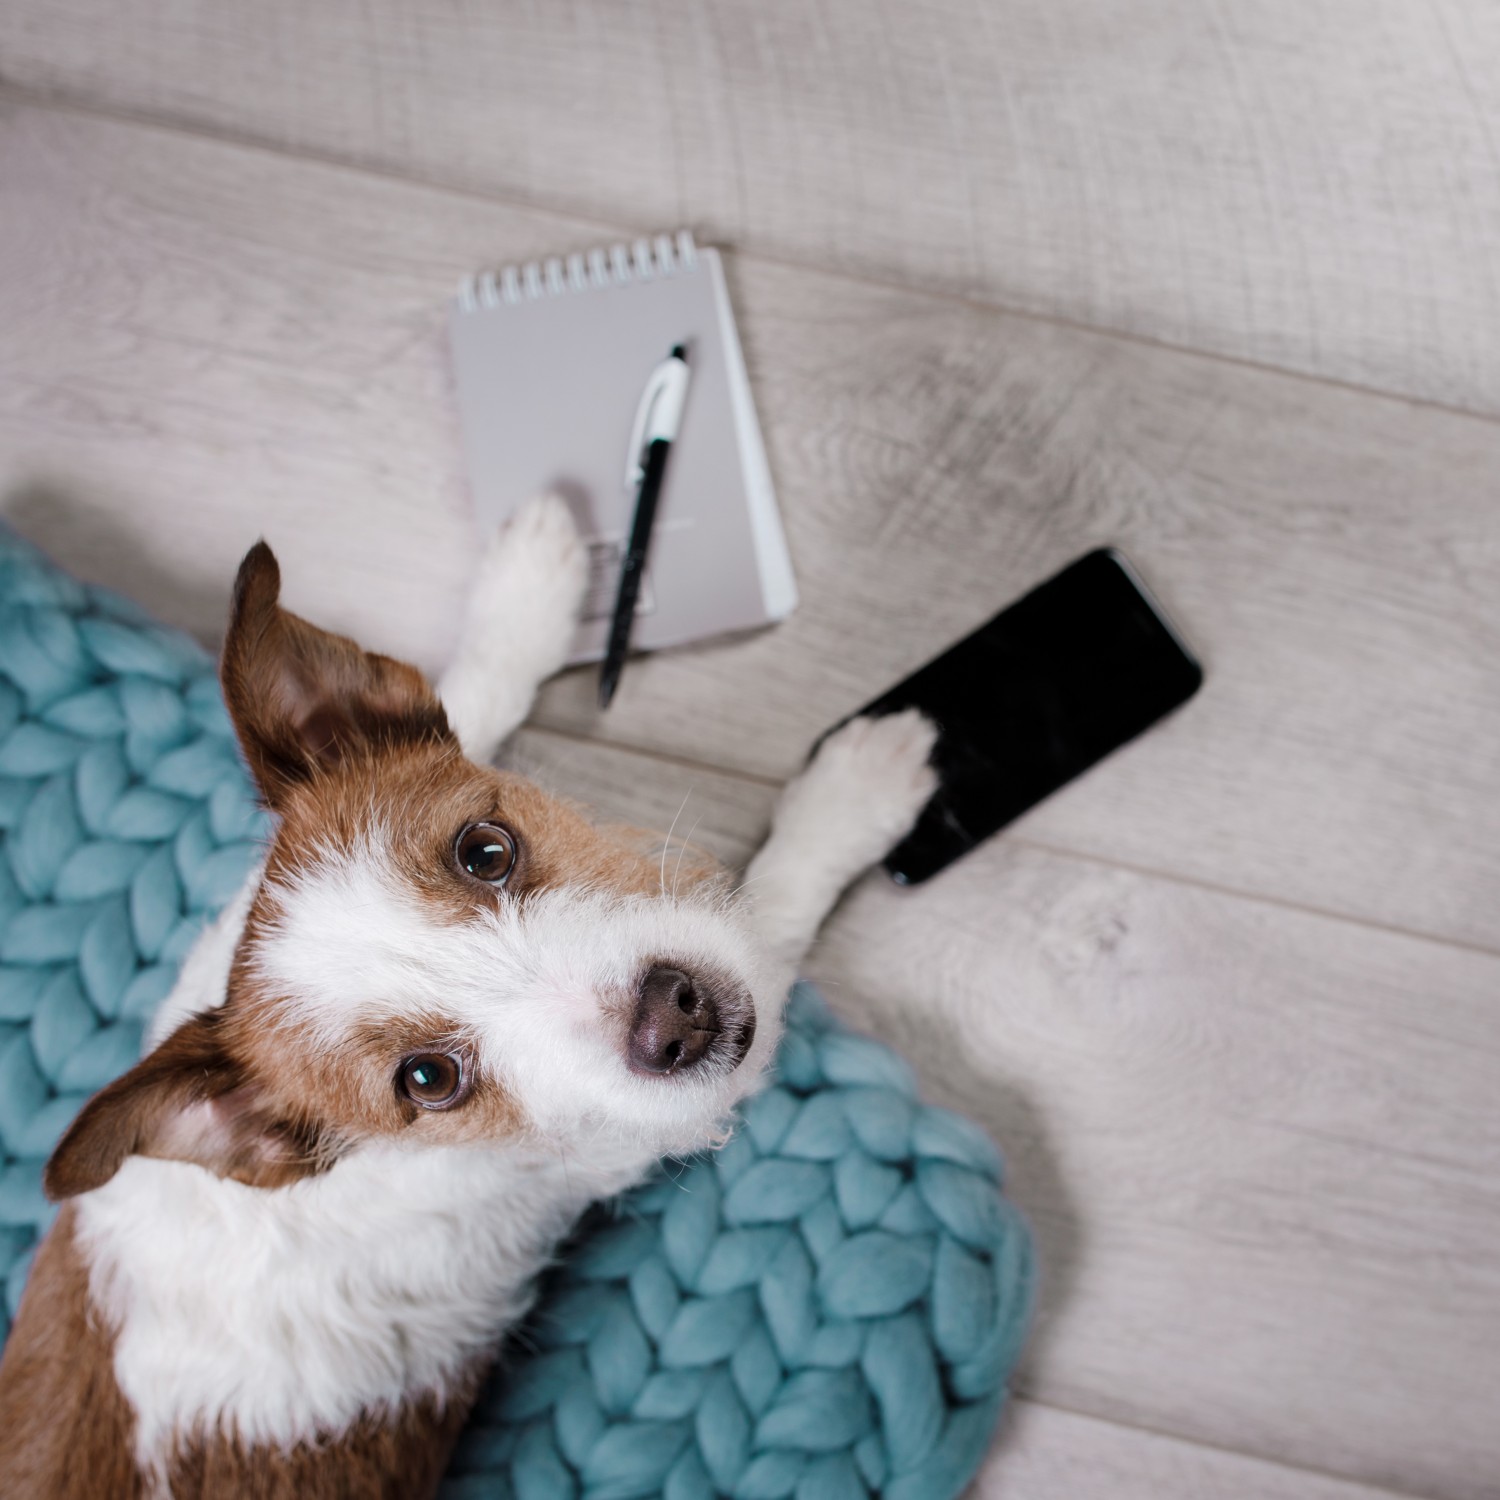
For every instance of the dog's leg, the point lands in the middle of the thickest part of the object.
(518, 624)
(860, 795)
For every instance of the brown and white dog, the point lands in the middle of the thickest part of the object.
(444, 1015)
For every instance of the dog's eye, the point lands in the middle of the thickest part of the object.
(435, 1080)
(487, 852)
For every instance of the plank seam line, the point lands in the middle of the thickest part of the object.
(61, 101)
(1368, 1487)
(1060, 851)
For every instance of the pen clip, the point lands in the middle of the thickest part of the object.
(658, 415)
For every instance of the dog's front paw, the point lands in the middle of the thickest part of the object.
(865, 786)
(518, 626)
(530, 585)
(863, 791)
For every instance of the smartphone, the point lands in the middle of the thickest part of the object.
(1050, 686)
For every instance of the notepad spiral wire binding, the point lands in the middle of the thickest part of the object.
(603, 266)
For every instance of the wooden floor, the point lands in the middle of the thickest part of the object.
(1220, 285)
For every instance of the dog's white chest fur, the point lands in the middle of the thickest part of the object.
(293, 1312)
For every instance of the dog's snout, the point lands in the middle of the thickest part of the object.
(679, 1017)
(676, 1021)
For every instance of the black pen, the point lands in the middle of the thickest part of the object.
(657, 420)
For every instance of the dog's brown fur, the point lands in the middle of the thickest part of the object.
(396, 1459)
(65, 1429)
(301, 697)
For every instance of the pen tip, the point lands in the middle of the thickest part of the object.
(606, 690)
(679, 351)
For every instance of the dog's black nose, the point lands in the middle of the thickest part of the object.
(679, 1016)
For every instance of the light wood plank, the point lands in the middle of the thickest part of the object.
(718, 811)
(1257, 1146)
(1046, 1454)
(1307, 183)
(205, 343)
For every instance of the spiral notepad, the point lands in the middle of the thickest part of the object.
(551, 358)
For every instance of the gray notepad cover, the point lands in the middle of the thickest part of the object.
(547, 390)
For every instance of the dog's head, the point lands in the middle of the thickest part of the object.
(437, 952)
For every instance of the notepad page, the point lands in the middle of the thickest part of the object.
(549, 370)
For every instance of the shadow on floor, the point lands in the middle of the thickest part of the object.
(93, 540)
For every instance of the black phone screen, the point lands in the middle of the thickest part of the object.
(1082, 664)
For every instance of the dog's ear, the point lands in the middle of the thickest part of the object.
(303, 699)
(189, 1100)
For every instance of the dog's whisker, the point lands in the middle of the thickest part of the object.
(668, 844)
(562, 1156)
(681, 850)
(744, 885)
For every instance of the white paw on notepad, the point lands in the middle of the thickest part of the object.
(531, 582)
(519, 623)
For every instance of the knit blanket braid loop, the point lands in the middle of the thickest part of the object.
(827, 1308)
(126, 822)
